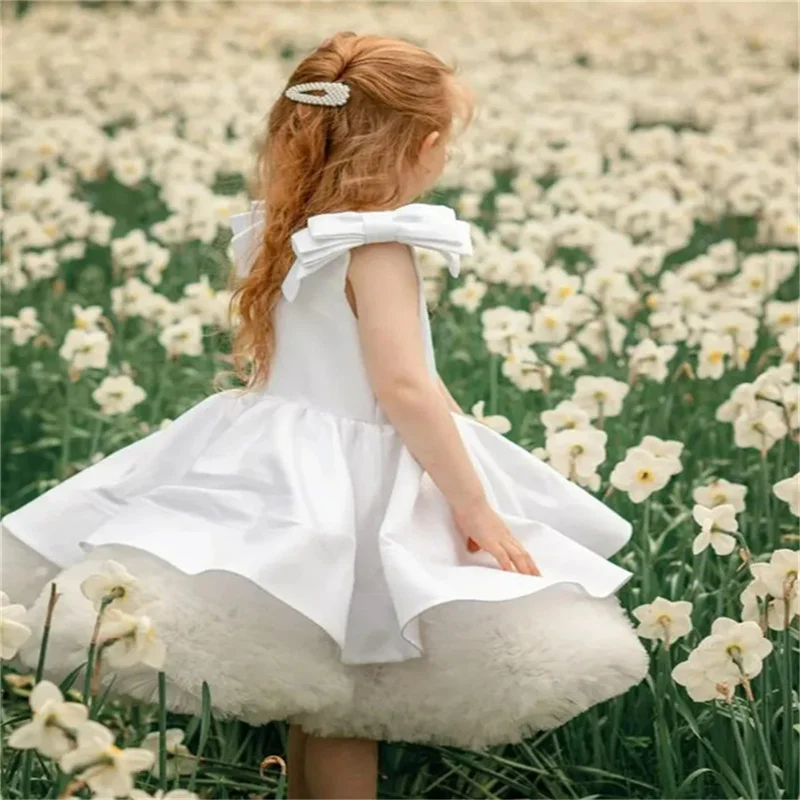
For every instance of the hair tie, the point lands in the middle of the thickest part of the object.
(336, 93)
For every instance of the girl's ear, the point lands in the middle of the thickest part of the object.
(429, 142)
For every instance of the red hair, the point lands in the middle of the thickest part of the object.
(318, 159)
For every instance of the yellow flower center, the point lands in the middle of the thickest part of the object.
(716, 356)
(645, 475)
(565, 291)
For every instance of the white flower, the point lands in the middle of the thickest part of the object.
(716, 525)
(131, 299)
(85, 349)
(180, 760)
(550, 324)
(522, 367)
(469, 295)
(640, 474)
(504, 328)
(577, 452)
(496, 422)
(565, 415)
(184, 337)
(733, 650)
(788, 490)
(13, 630)
(719, 493)
(668, 450)
(760, 429)
(692, 675)
(24, 326)
(51, 716)
(118, 394)
(664, 619)
(173, 794)
(135, 640)
(567, 357)
(651, 360)
(199, 299)
(780, 575)
(600, 397)
(86, 318)
(106, 769)
(775, 584)
(713, 351)
(114, 579)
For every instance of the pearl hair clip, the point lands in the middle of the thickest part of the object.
(336, 93)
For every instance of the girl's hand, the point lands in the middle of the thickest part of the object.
(484, 529)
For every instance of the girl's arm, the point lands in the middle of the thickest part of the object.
(448, 398)
(384, 282)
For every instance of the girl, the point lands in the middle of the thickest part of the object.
(339, 546)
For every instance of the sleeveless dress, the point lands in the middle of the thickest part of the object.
(299, 559)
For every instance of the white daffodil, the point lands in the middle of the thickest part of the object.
(128, 640)
(668, 450)
(114, 581)
(24, 326)
(54, 726)
(180, 760)
(714, 350)
(651, 360)
(550, 324)
(567, 357)
(759, 605)
(779, 576)
(522, 367)
(692, 675)
(716, 526)
(469, 295)
(640, 474)
(577, 452)
(87, 319)
(719, 493)
(664, 619)
(132, 299)
(172, 794)
(504, 328)
(13, 630)
(104, 767)
(566, 415)
(496, 422)
(199, 299)
(733, 650)
(600, 397)
(118, 394)
(760, 430)
(788, 490)
(184, 337)
(85, 349)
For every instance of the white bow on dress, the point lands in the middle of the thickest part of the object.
(328, 236)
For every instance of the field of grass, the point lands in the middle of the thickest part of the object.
(632, 182)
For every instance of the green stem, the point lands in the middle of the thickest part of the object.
(27, 763)
(65, 431)
(789, 752)
(743, 759)
(494, 366)
(762, 741)
(666, 766)
(162, 731)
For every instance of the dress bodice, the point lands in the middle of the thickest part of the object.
(318, 359)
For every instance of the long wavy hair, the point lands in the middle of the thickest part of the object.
(319, 159)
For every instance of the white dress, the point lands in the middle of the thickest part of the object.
(302, 562)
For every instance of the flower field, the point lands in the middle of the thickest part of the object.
(630, 315)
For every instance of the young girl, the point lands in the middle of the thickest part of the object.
(339, 546)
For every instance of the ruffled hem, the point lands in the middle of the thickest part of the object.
(492, 673)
